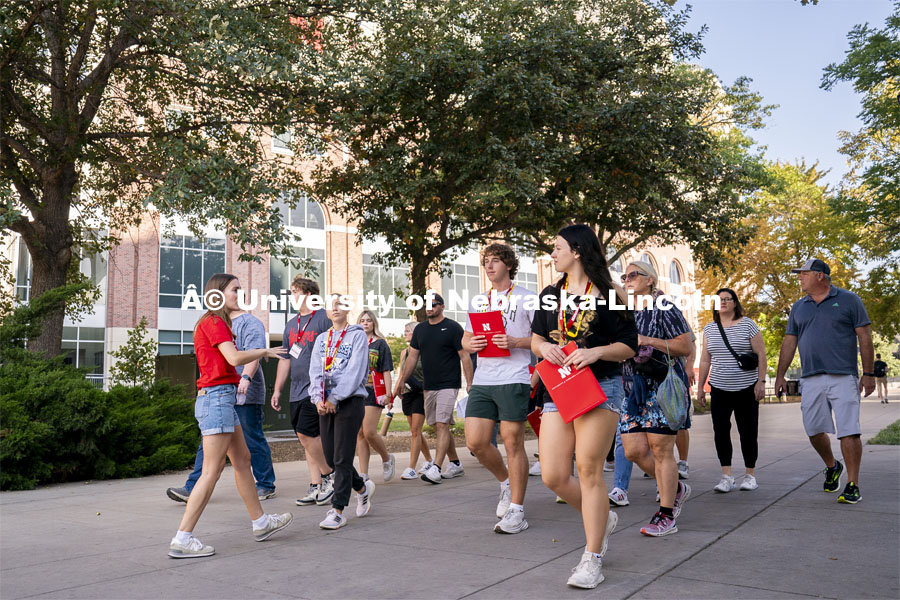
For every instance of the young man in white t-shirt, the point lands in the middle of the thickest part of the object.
(502, 385)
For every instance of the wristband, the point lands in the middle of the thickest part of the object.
(868, 374)
(245, 376)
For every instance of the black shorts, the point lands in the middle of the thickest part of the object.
(413, 403)
(370, 398)
(305, 418)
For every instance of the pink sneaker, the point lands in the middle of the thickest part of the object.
(659, 526)
(683, 493)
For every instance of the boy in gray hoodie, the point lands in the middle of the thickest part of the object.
(338, 369)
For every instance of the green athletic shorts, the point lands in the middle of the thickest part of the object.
(508, 402)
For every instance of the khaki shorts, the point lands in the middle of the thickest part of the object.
(824, 394)
(439, 405)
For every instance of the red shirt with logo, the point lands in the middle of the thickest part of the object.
(214, 369)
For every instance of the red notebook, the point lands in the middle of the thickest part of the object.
(489, 324)
(378, 384)
(534, 419)
(574, 391)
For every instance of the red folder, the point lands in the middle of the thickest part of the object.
(534, 419)
(378, 384)
(574, 391)
(489, 324)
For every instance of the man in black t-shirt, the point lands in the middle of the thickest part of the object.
(439, 342)
(880, 370)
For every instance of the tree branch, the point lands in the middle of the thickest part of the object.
(82, 49)
(39, 6)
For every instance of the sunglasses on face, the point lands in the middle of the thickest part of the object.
(726, 300)
(633, 275)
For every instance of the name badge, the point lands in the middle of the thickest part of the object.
(295, 351)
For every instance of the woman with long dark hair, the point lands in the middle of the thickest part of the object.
(733, 389)
(604, 338)
(218, 419)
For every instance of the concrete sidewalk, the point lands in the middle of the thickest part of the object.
(788, 539)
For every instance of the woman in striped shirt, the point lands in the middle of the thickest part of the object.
(733, 389)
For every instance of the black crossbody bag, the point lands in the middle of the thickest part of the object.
(748, 361)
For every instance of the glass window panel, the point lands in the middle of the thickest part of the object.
(279, 276)
(167, 336)
(215, 244)
(23, 270)
(70, 333)
(370, 280)
(213, 262)
(69, 352)
(187, 349)
(193, 270)
(282, 140)
(169, 349)
(315, 216)
(192, 242)
(175, 241)
(674, 273)
(90, 356)
(170, 301)
(169, 271)
(90, 333)
(187, 336)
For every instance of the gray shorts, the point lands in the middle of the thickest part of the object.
(822, 394)
(439, 405)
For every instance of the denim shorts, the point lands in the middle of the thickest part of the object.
(615, 396)
(215, 412)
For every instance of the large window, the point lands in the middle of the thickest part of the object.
(281, 275)
(306, 214)
(176, 342)
(385, 281)
(527, 280)
(674, 273)
(648, 258)
(466, 283)
(186, 260)
(93, 267)
(83, 347)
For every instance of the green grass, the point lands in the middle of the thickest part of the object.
(889, 436)
(399, 423)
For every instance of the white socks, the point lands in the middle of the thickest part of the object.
(513, 506)
(261, 522)
(182, 537)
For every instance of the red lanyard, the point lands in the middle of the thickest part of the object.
(302, 331)
(490, 295)
(330, 352)
(565, 326)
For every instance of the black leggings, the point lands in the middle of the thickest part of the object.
(746, 414)
(338, 432)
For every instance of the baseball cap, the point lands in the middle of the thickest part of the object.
(813, 264)
(436, 299)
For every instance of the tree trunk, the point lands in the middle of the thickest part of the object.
(50, 242)
(417, 279)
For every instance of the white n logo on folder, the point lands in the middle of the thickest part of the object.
(486, 326)
(564, 372)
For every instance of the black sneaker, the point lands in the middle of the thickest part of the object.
(833, 477)
(850, 495)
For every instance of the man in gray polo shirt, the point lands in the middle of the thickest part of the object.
(827, 324)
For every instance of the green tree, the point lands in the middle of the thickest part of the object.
(792, 220)
(467, 120)
(136, 359)
(107, 107)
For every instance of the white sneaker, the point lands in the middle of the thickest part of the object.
(535, 469)
(388, 468)
(409, 474)
(310, 497)
(609, 467)
(432, 474)
(505, 500)
(513, 522)
(684, 470)
(364, 500)
(276, 523)
(333, 520)
(587, 574)
(749, 483)
(425, 467)
(193, 548)
(619, 497)
(453, 470)
(326, 490)
(611, 523)
(725, 485)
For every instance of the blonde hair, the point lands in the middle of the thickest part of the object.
(648, 270)
(372, 316)
(410, 325)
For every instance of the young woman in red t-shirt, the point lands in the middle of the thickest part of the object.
(218, 420)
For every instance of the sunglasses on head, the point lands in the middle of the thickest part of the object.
(633, 275)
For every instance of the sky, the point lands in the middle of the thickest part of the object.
(784, 47)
